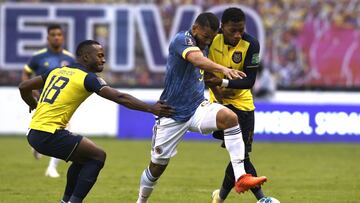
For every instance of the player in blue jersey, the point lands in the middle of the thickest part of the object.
(48, 58)
(65, 88)
(184, 91)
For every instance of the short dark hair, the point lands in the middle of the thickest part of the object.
(53, 27)
(233, 14)
(208, 19)
(83, 46)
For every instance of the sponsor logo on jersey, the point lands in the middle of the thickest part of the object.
(255, 59)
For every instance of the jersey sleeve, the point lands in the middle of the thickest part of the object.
(93, 83)
(184, 44)
(46, 74)
(31, 66)
(252, 59)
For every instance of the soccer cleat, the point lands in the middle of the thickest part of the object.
(247, 181)
(216, 197)
(52, 172)
(36, 154)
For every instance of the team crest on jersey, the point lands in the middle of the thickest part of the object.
(237, 57)
(64, 63)
(189, 41)
(158, 150)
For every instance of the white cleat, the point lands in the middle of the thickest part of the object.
(216, 197)
(36, 154)
(52, 172)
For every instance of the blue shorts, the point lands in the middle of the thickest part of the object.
(60, 145)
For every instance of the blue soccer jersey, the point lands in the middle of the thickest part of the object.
(184, 85)
(45, 60)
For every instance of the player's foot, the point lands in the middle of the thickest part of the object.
(247, 181)
(216, 197)
(36, 154)
(52, 172)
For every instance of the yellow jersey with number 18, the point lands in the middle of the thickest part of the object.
(64, 90)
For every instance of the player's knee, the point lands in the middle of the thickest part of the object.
(100, 155)
(226, 119)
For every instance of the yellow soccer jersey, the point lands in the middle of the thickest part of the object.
(64, 90)
(245, 54)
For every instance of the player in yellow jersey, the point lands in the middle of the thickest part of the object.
(64, 89)
(236, 49)
(48, 58)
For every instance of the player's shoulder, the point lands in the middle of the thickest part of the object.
(218, 38)
(67, 53)
(217, 42)
(185, 37)
(251, 39)
(40, 53)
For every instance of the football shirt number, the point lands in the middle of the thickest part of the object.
(56, 84)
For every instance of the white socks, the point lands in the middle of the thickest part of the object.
(147, 184)
(235, 146)
(54, 162)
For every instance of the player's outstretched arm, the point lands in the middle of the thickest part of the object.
(159, 108)
(199, 60)
(26, 88)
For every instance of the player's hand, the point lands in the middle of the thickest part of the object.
(33, 103)
(161, 109)
(233, 74)
(32, 107)
(211, 80)
(217, 93)
(36, 94)
(222, 93)
(227, 93)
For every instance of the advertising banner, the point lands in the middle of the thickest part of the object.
(273, 122)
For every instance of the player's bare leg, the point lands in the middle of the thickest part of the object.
(88, 160)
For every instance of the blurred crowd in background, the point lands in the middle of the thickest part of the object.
(307, 44)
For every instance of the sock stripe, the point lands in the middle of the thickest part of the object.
(149, 176)
(232, 132)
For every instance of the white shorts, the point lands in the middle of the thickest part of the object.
(167, 133)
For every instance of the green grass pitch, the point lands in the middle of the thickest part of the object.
(297, 173)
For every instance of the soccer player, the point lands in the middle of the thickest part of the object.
(64, 89)
(48, 58)
(184, 91)
(236, 49)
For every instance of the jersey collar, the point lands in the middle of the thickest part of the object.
(79, 66)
